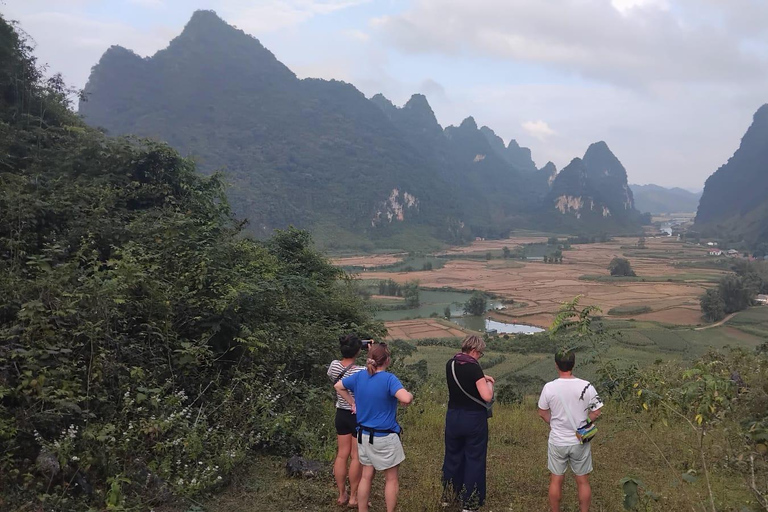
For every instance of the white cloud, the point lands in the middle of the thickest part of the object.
(272, 15)
(357, 35)
(626, 6)
(148, 3)
(539, 129)
(591, 38)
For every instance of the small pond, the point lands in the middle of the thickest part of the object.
(478, 323)
(434, 302)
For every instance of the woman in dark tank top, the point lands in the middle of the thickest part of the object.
(466, 426)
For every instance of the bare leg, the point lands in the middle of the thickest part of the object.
(585, 492)
(340, 466)
(355, 469)
(555, 491)
(364, 490)
(391, 488)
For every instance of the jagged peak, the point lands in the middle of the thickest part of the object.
(761, 116)
(204, 19)
(600, 146)
(418, 101)
(469, 123)
(380, 99)
(513, 144)
(120, 51)
(549, 167)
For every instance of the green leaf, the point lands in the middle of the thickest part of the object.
(689, 477)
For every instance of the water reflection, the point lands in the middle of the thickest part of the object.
(478, 323)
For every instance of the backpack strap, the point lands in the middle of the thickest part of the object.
(343, 372)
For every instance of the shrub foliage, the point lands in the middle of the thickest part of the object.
(145, 344)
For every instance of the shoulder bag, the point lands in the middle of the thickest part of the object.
(586, 432)
(487, 405)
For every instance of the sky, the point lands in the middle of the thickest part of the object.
(670, 85)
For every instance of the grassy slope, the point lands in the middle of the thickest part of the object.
(517, 474)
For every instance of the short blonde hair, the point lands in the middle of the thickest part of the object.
(472, 342)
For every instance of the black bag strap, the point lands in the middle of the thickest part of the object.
(372, 432)
(480, 402)
(343, 372)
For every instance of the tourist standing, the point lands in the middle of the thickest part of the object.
(346, 422)
(568, 404)
(470, 393)
(376, 395)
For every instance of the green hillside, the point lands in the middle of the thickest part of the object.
(144, 341)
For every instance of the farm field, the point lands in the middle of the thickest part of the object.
(631, 342)
(670, 294)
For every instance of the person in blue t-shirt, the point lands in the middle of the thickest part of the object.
(376, 395)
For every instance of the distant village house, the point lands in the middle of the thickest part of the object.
(762, 299)
(715, 252)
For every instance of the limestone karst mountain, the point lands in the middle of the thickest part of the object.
(734, 204)
(594, 189)
(314, 153)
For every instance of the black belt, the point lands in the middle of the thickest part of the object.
(371, 433)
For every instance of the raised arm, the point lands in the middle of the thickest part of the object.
(404, 396)
(485, 388)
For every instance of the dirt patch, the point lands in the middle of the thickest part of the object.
(738, 334)
(677, 316)
(494, 245)
(424, 328)
(372, 261)
(545, 286)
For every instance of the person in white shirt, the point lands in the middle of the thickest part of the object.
(566, 404)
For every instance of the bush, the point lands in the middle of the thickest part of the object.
(629, 310)
(621, 267)
(146, 346)
(476, 305)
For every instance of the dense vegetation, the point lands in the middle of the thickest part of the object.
(734, 205)
(735, 292)
(146, 346)
(318, 154)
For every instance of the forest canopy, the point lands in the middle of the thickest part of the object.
(146, 344)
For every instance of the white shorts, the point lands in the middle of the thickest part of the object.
(578, 456)
(385, 452)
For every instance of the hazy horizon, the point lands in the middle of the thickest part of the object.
(670, 85)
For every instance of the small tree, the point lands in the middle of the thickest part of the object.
(447, 312)
(712, 305)
(553, 240)
(488, 255)
(476, 305)
(641, 243)
(506, 252)
(411, 294)
(620, 267)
